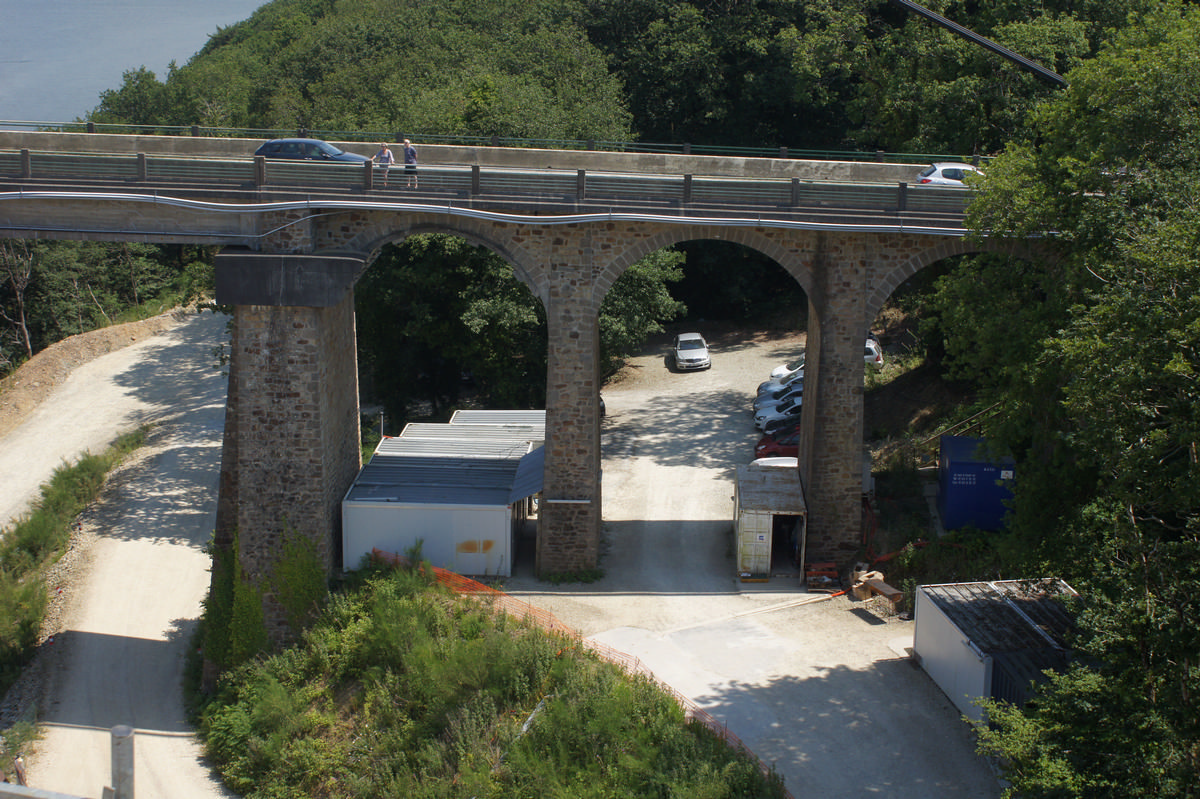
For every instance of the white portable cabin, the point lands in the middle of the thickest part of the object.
(991, 639)
(463, 496)
(770, 518)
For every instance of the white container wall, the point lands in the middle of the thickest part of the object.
(950, 658)
(471, 540)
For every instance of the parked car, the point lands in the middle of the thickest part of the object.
(308, 150)
(786, 408)
(691, 352)
(873, 354)
(775, 426)
(777, 396)
(946, 173)
(785, 444)
(787, 369)
(774, 384)
(781, 426)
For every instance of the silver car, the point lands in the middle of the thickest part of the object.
(691, 352)
(946, 174)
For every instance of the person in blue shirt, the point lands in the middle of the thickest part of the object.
(410, 164)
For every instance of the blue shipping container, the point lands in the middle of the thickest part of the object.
(972, 487)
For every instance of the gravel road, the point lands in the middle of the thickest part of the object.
(126, 597)
(820, 687)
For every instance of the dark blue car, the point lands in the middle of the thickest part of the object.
(308, 150)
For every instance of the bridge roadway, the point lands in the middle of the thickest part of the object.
(296, 236)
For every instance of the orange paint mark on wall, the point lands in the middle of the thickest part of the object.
(475, 547)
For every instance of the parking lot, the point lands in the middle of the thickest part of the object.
(821, 687)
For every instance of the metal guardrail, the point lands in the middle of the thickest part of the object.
(768, 198)
(496, 141)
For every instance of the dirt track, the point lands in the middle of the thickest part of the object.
(125, 599)
(821, 688)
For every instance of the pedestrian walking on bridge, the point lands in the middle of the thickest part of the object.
(410, 164)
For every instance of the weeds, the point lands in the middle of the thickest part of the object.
(38, 539)
(403, 689)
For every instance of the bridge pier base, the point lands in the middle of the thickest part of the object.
(291, 446)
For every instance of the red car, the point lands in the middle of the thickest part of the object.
(785, 445)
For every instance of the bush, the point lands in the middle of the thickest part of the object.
(403, 689)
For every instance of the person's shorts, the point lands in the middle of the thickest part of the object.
(410, 169)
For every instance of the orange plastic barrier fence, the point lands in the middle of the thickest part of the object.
(500, 601)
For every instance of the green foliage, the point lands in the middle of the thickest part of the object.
(401, 689)
(247, 625)
(637, 305)
(1101, 396)
(36, 540)
(451, 67)
(298, 580)
(72, 287)
(218, 607)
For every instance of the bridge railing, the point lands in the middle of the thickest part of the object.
(613, 190)
(496, 141)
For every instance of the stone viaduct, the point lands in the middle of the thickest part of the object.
(291, 446)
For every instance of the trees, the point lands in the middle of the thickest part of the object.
(1112, 415)
(460, 67)
(437, 308)
(53, 289)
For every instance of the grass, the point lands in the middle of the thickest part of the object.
(403, 689)
(35, 541)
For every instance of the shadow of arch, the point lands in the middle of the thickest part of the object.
(888, 282)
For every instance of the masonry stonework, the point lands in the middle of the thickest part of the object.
(293, 391)
(297, 435)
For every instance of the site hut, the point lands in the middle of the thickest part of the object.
(770, 519)
(461, 440)
(992, 639)
(464, 499)
(974, 484)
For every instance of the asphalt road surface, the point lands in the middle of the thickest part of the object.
(818, 687)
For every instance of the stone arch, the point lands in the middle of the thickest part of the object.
(499, 238)
(769, 242)
(886, 283)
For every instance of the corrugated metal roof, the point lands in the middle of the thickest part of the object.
(770, 488)
(1007, 616)
(445, 480)
(454, 447)
(499, 417)
(481, 432)
(530, 475)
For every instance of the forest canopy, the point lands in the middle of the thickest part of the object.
(860, 74)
